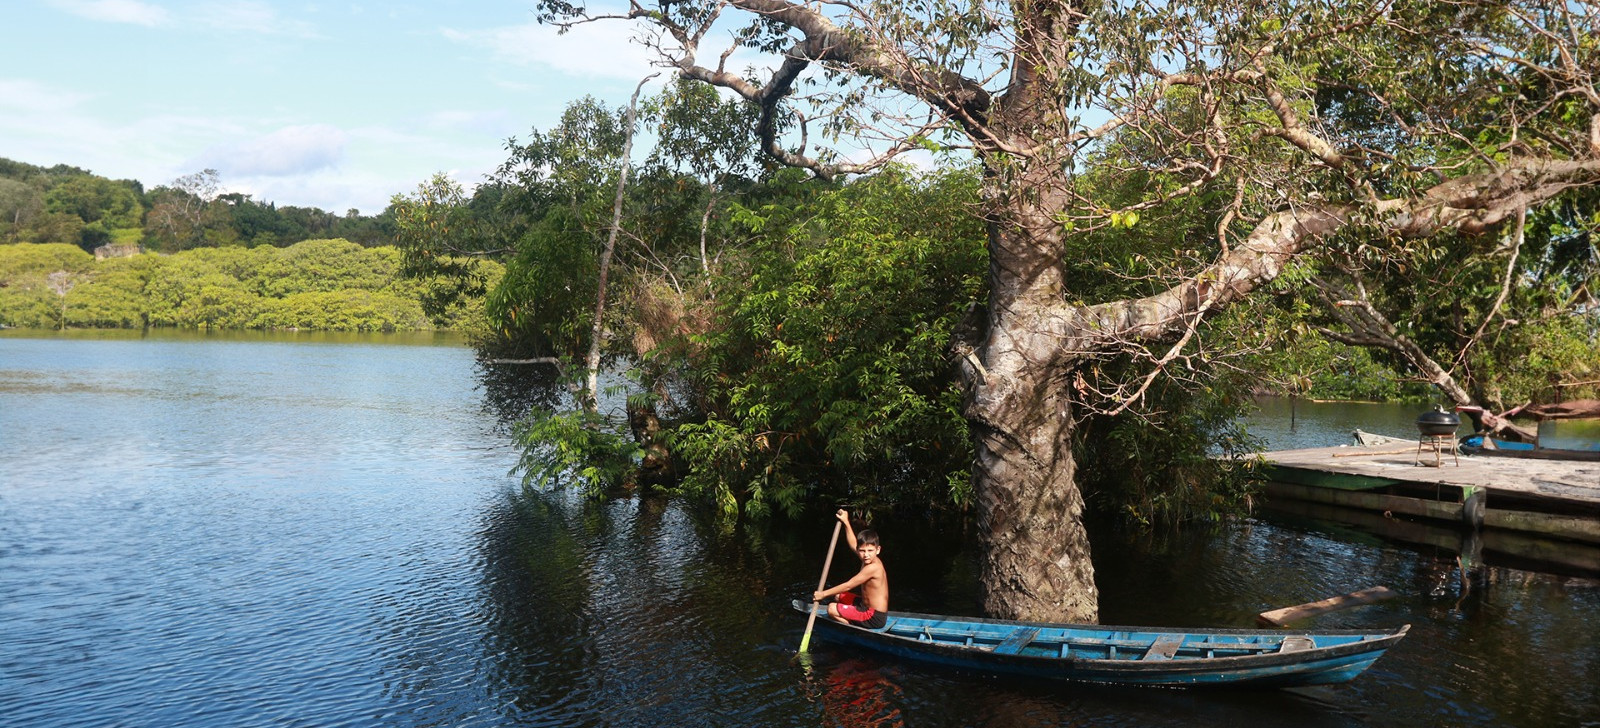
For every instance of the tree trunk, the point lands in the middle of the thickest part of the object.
(591, 393)
(1030, 511)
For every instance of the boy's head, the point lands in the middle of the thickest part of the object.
(867, 545)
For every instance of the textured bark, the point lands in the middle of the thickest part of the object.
(1035, 562)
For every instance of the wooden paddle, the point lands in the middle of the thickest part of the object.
(821, 584)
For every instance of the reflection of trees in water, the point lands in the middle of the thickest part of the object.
(647, 611)
(539, 635)
(625, 612)
(511, 391)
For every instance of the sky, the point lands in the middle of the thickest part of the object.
(336, 105)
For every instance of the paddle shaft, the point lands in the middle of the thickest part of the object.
(822, 583)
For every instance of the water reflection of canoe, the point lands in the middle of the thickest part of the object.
(1482, 445)
(1123, 655)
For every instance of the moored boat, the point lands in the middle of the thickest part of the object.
(1122, 655)
(1492, 447)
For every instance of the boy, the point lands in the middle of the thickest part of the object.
(870, 608)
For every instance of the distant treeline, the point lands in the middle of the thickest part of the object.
(327, 285)
(65, 204)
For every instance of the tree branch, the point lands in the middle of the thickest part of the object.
(1470, 204)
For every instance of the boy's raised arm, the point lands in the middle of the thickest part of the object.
(849, 531)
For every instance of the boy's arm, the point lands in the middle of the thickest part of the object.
(861, 577)
(849, 530)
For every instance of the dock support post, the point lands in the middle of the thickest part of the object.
(1473, 506)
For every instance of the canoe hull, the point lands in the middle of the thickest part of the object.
(1245, 657)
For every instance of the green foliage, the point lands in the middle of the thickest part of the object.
(1441, 294)
(36, 280)
(829, 371)
(576, 448)
(330, 285)
(96, 200)
(444, 238)
(39, 259)
(345, 310)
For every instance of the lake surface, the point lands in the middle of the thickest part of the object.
(321, 531)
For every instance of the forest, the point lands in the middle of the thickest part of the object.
(78, 250)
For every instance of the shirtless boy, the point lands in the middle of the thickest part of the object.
(869, 608)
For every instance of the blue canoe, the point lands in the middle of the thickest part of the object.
(1481, 445)
(1121, 655)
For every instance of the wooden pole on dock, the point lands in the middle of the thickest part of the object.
(1281, 617)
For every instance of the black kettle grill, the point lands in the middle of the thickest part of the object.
(1438, 423)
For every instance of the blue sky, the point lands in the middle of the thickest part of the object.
(329, 104)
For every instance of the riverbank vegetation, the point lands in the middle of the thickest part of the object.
(322, 285)
(1175, 199)
(1040, 315)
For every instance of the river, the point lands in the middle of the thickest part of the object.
(283, 530)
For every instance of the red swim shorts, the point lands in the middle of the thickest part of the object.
(862, 615)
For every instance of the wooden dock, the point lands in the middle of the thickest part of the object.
(1554, 498)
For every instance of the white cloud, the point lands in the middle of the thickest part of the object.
(594, 50)
(248, 16)
(24, 96)
(292, 150)
(116, 11)
(329, 191)
(236, 16)
(494, 125)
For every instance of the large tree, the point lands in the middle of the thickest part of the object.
(1298, 124)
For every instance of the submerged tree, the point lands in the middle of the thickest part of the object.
(1307, 121)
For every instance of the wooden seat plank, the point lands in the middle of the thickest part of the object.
(1016, 641)
(1164, 647)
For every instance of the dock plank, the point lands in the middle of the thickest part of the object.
(1556, 498)
(1574, 481)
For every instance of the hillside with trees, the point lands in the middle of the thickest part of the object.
(78, 250)
(65, 204)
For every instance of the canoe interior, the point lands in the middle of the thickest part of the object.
(1126, 654)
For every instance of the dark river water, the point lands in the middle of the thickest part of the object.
(321, 531)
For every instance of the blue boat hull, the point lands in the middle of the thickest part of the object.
(1121, 655)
